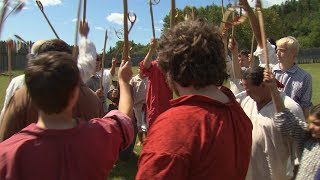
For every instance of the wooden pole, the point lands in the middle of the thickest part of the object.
(263, 35)
(173, 13)
(84, 10)
(152, 21)
(45, 16)
(251, 52)
(75, 48)
(102, 61)
(9, 48)
(125, 52)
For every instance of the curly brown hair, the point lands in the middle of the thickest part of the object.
(192, 54)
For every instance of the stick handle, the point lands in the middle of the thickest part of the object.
(125, 52)
(102, 61)
(251, 52)
(84, 10)
(75, 48)
(152, 21)
(263, 35)
(173, 13)
(9, 59)
(45, 16)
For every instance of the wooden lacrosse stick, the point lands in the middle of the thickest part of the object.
(84, 10)
(263, 35)
(75, 47)
(23, 41)
(45, 16)
(102, 61)
(251, 52)
(153, 2)
(173, 13)
(132, 17)
(125, 52)
(9, 51)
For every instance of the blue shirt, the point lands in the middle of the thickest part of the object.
(297, 84)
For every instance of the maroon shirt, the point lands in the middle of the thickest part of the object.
(87, 151)
(158, 92)
(21, 111)
(198, 138)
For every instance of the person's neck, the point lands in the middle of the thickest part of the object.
(284, 66)
(211, 91)
(263, 102)
(62, 120)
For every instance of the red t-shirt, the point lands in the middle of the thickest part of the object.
(158, 92)
(198, 138)
(87, 151)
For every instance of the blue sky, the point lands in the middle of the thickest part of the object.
(101, 14)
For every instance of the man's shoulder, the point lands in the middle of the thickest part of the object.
(293, 106)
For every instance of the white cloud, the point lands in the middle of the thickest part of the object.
(267, 3)
(99, 28)
(116, 18)
(51, 2)
(74, 19)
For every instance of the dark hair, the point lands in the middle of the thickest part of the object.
(192, 54)
(273, 42)
(315, 110)
(254, 74)
(50, 79)
(54, 45)
(244, 52)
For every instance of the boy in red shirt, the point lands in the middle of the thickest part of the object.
(158, 91)
(59, 146)
(205, 134)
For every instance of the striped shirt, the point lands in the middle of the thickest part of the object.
(309, 147)
(297, 84)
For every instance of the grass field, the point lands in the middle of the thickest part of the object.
(127, 170)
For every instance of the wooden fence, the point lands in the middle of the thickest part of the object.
(19, 60)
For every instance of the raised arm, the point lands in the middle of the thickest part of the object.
(87, 53)
(113, 66)
(254, 22)
(126, 101)
(148, 58)
(236, 69)
(284, 120)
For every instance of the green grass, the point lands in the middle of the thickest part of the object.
(127, 170)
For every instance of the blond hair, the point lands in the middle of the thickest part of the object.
(289, 43)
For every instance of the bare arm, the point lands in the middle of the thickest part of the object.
(148, 58)
(254, 22)
(233, 47)
(126, 101)
(113, 66)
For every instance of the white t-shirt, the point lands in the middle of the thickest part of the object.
(272, 155)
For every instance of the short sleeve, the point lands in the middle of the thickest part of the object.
(125, 125)
(271, 53)
(145, 71)
(154, 165)
(305, 100)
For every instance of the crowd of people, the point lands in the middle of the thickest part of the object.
(56, 122)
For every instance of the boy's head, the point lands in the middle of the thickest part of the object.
(54, 45)
(98, 63)
(243, 58)
(52, 79)
(192, 55)
(315, 113)
(287, 49)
